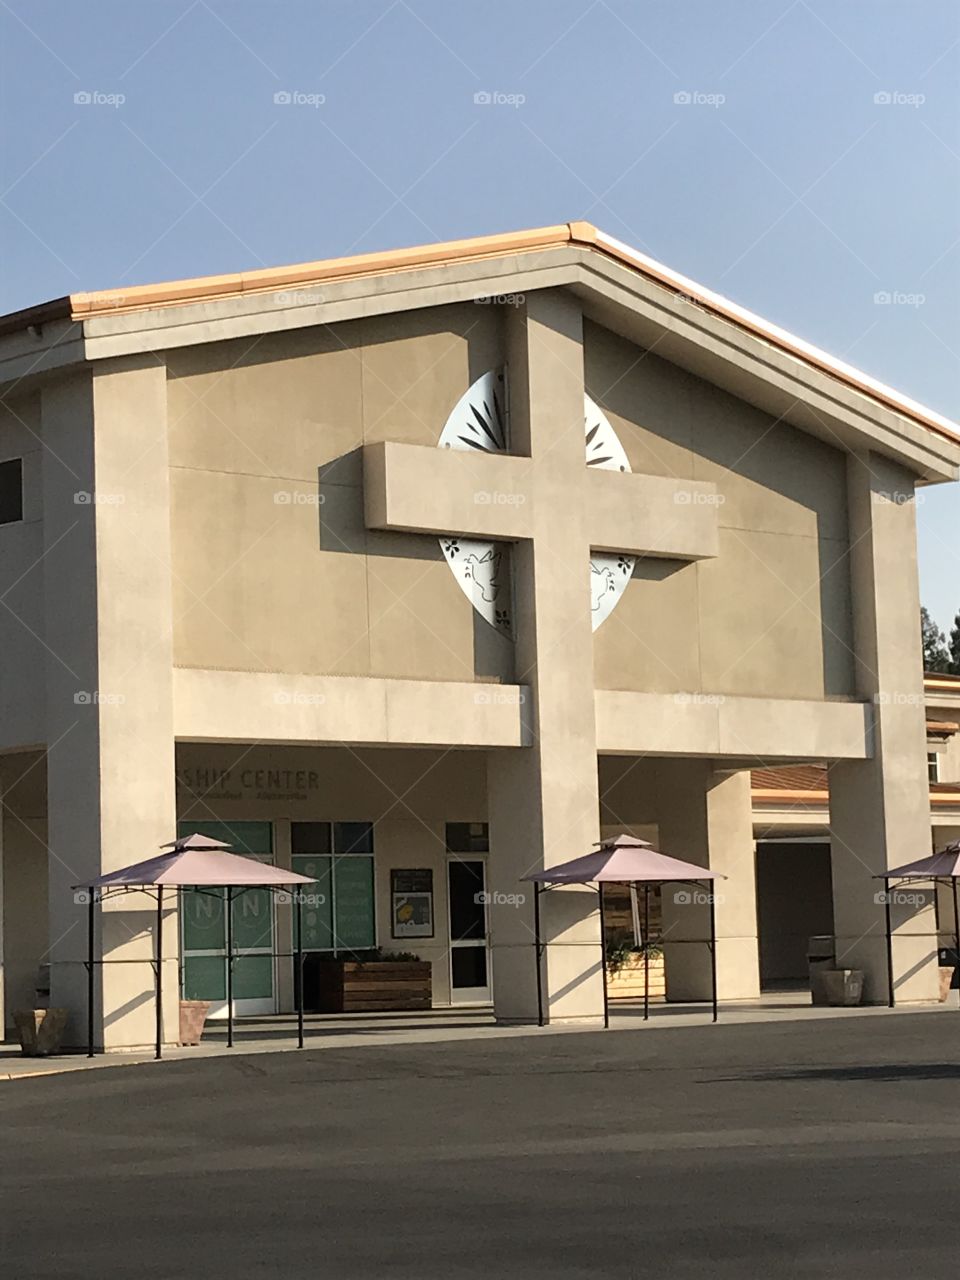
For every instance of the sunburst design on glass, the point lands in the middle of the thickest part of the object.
(478, 421)
(609, 573)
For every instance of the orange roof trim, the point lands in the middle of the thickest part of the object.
(80, 306)
(204, 288)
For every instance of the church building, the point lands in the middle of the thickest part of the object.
(417, 571)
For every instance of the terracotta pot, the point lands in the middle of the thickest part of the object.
(193, 1014)
(946, 972)
(40, 1030)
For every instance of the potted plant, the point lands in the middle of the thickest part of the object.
(193, 1015)
(633, 967)
(374, 981)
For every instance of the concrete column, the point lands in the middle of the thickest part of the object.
(704, 816)
(111, 797)
(880, 808)
(543, 800)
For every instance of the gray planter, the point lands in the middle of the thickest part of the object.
(842, 986)
(40, 1030)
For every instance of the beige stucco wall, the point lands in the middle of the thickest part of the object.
(21, 582)
(950, 761)
(273, 568)
(770, 614)
(948, 751)
(275, 571)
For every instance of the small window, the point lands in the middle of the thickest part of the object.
(353, 837)
(11, 491)
(933, 766)
(468, 837)
(307, 839)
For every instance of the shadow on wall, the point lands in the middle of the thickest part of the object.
(667, 414)
(342, 531)
(470, 336)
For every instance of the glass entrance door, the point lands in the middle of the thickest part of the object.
(204, 933)
(469, 943)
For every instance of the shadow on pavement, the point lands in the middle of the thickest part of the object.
(889, 1073)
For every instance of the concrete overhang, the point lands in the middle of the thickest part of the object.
(741, 729)
(243, 706)
(246, 706)
(621, 288)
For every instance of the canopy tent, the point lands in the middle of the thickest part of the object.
(622, 859)
(936, 868)
(198, 860)
(194, 861)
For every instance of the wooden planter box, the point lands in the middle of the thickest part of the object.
(627, 982)
(346, 986)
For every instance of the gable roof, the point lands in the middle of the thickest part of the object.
(201, 291)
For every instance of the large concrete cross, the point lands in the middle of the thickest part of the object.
(539, 493)
(543, 802)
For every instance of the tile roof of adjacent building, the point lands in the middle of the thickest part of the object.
(806, 784)
(940, 681)
(201, 289)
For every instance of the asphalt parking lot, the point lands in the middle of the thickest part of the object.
(774, 1150)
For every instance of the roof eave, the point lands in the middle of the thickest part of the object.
(84, 307)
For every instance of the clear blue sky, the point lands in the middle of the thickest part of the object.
(797, 194)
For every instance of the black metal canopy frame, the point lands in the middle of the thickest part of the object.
(98, 895)
(711, 942)
(916, 879)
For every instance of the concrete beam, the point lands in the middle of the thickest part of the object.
(247, 706)
(716, 725)
(415, 489)
(652, 515)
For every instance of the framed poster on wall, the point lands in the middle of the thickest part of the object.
(411, 903)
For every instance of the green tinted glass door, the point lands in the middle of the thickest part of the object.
(203, 929)
(317, 913)
(355, 927)
(252, 945)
